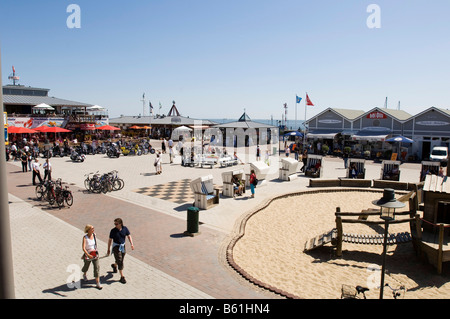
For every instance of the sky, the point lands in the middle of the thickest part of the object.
(219, 58)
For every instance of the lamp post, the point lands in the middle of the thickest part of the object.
(387, 205)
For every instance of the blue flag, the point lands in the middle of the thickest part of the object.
(298, 99)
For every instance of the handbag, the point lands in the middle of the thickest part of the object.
(94, 253)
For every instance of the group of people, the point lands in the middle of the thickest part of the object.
(117, 240)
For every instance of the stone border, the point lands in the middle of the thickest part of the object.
(241, 233)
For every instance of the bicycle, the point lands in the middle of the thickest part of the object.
(117, 183)
(87, 181)
(399, 292)
(349, 292)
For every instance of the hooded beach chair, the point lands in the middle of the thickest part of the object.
(288, 169)
(261, 170)
(359, 166)
(314, 166)
(227, 178)
(205, 195)
(390, 170)
(429, 168)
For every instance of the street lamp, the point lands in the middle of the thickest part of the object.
(388, 204)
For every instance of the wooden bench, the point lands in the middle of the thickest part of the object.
(352, 182)
(324, 183)
(390, 184)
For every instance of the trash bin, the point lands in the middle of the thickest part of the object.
(192, 220)
(274, 150)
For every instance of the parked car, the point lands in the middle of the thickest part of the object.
(440, 153)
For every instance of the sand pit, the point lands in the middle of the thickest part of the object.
(271, 250)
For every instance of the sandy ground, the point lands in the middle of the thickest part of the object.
(272, 251)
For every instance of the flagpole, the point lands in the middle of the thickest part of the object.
(304, 123)
(296, 124)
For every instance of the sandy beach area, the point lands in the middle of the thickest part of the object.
(271, 250)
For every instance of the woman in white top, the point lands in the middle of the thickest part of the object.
(158, 164)
(90, 254)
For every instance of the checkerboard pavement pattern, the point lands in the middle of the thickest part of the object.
(178, 192)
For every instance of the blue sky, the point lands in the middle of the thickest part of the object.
(217, 58)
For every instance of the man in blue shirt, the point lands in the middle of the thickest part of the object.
(117, 237)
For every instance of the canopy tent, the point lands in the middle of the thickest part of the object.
(182, 128)
(19, 130)
(95, 108)
(108, 128)
(43, 106)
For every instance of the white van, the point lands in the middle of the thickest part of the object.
(440, 153)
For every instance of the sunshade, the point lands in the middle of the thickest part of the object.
(108, 128)
(43, 106)
(400, 139)
(19, 130)
(294, 133)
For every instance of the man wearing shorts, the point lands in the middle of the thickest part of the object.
(117, 237)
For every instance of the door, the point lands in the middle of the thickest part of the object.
(426, 149)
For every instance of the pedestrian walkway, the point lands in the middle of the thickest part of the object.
(165, 263)
(46, 259)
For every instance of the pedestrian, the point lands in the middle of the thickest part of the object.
(24, 160)
(117, 237)
(295, 150)
(253, 182)
(287, 151)
(90, 254)
(157, 164)
(345, 156)
(304, 160)
(163, 145)
(47, 169)
(36, 171)
(258, 153)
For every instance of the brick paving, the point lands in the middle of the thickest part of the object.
(165, 263)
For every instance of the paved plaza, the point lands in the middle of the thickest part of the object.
(165, 264)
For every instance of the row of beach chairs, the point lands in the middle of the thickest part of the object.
(207, 160)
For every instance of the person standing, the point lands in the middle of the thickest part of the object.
(24, 160)
(304, 160)
(47, 169)
(171, 154)
(117, 238)
(157, 164)
(36, 171)
(253, 182)
(163, 145)
(258, 153)
(345, 156)
(90, 254)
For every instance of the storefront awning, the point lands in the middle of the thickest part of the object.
(370, 136)
(322, 134)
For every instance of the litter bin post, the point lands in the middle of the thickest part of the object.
(192, 222)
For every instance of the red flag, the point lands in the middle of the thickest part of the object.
(308, 101)
(14, 70)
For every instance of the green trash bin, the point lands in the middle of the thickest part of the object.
(192, 220)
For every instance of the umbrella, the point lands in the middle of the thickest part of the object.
(19, 130)
(400, 139)
(56, 129)
(135, 127)
(146, 127)
(294, 133)
(108, 128)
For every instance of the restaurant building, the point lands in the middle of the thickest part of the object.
(368, 131)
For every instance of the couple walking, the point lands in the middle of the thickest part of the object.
(117, 238)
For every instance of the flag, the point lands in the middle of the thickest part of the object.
(14, 70)
(308, 101)
(160, 106)
(151, 107)
(143, 96)
(298, 99)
